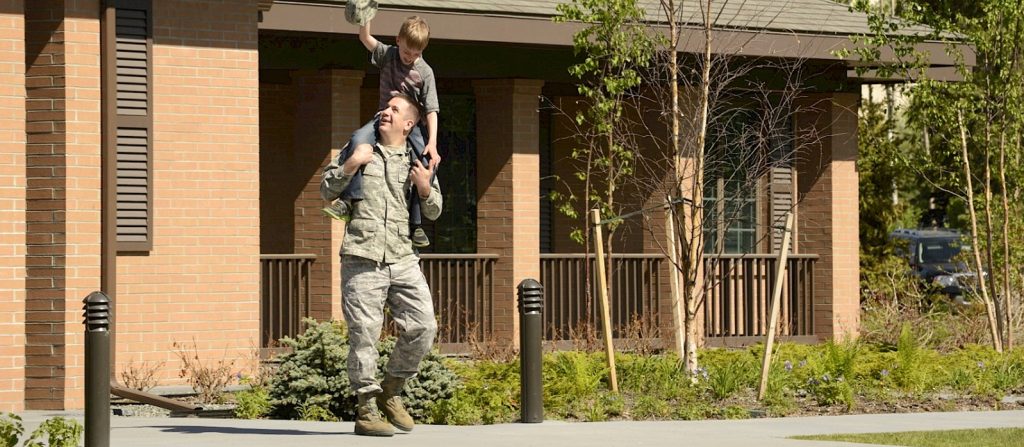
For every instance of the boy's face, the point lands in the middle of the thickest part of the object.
(408, 55)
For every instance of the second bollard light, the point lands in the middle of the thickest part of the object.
(97, 370)
(531, 306)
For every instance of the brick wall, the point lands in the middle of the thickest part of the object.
(12, 205)
(347, 102)
(304, 120)
(508, 187)
(327, 114)
(827, 188)
(200, 282)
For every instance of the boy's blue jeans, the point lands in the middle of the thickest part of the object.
(368, 135)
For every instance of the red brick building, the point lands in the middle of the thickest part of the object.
(169, 153)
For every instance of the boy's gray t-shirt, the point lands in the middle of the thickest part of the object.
(416, 80)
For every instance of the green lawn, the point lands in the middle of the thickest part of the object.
(990, 437)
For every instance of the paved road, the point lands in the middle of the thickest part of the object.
(143, 432)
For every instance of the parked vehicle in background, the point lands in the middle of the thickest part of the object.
(933, 256)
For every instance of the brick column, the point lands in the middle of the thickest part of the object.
(12, 205)
(827, 183)
(327, 114)
(62, 194)
(508, 189)
(345, 119)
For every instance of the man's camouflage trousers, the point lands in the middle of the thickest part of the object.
(366, 286)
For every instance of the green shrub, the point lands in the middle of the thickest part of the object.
(571, 382)
(780, 394)
(11, 429)
(488, 394)
(313, 373)
(313, 376)
(728, 371)
(830, 390)
(253, 403)
(840, 359)
(663, 375)
(910, 373)
(650, 407)
(58, 432)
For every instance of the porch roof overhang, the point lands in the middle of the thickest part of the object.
(799, 29)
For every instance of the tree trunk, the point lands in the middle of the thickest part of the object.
(695, 226)
(997, 342)
(1006, 243)
(680, 294)
(989, 237)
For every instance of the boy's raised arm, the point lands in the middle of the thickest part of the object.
(368, 40)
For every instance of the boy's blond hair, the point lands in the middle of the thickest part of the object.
(415, 33)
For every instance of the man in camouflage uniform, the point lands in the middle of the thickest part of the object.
(379, 265)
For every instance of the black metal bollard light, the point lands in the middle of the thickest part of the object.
(97, 370)
(531, 306)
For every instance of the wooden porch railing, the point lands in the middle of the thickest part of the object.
(636, 287)
(739, 293)
(284, 295)
(463, 289)
(737, 299)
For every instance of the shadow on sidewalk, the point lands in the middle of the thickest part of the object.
(200, 429)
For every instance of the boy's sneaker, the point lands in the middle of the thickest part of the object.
(338, 210)
(419, 238)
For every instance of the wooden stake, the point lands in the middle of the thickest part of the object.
(603, 289)
(773, 321)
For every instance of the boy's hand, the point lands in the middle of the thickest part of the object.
(431, 151)
(420, 176)
(360, 156)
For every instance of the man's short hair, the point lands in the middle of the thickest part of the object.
(416, 109)
(415, 33)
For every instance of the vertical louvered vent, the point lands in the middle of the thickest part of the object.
(134, 124)
(132, 62)
(132, 185)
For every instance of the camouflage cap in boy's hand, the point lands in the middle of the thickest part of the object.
(359, 12)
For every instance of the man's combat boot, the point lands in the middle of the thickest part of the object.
(391, 403)
(369, 422)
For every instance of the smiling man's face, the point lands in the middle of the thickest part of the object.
(397, 116)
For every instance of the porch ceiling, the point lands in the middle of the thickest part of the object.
(804, 29)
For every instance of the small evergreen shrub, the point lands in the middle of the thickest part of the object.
(312, 381)
(313, 373)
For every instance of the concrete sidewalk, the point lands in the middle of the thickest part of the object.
(141, 432)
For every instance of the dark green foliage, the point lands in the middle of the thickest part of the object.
(489, 394)
(313, 373)
(312, 383)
